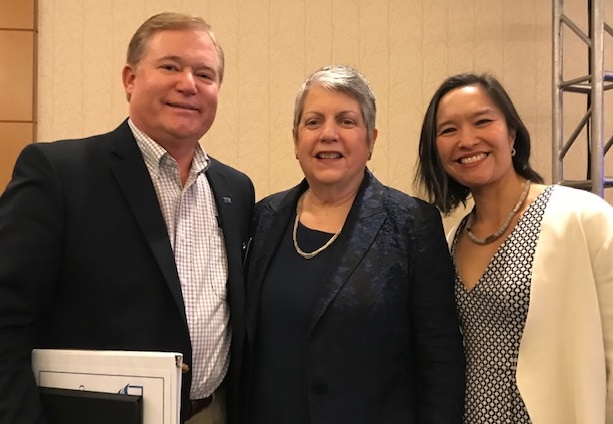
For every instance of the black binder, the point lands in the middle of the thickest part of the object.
(66, 406)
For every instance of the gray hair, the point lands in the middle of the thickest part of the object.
(346, 80)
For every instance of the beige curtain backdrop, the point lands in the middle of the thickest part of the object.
(405, 48)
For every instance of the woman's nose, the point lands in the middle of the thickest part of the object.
(467, 137)
(329, 131)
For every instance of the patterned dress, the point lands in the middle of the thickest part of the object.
(492, 319)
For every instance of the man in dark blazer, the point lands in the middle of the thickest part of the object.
(89, 242)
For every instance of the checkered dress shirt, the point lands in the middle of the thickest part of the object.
(197, 240)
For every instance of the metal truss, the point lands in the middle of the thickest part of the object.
(594, 85)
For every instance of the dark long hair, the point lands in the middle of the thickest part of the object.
(442, 190)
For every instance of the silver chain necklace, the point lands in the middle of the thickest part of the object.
(309, 255)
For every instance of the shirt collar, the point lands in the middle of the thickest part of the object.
(154, 154)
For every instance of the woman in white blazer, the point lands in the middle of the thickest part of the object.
(534, 265)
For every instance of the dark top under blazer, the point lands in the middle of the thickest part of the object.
(384, 344)
(86, 261)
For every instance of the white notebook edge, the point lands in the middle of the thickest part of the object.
(155, 375)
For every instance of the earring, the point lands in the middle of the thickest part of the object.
(369, 155)
(513, 151)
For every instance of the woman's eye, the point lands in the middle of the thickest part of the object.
(446, 131)
(483, 121)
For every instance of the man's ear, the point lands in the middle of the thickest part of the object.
(128, 74)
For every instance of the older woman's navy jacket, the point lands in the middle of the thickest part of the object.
(384, 344)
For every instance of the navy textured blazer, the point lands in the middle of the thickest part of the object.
(384, 344)
(86, 261)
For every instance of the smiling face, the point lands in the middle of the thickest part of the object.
(173, 90)
(331, 143)
(472, 138)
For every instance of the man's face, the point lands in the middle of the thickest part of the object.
(174, 88)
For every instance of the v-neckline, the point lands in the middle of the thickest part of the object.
(496, 253)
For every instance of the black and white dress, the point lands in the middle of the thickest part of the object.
(492, 318)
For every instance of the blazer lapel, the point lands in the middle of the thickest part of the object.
(222, 193)
(133, 178)
(229, 219)
(359, 232)
(272, 223)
